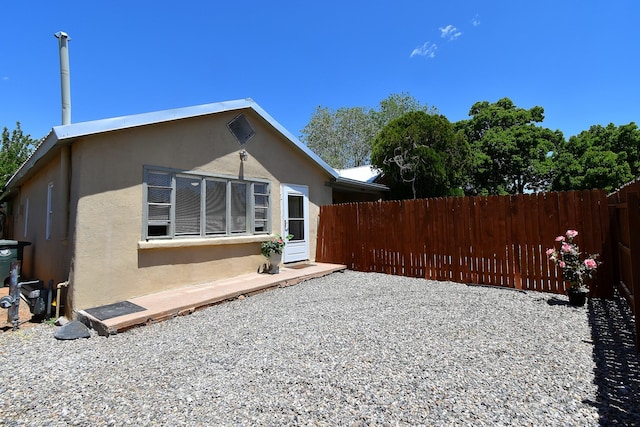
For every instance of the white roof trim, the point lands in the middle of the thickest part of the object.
(354, 183)
(59, 134)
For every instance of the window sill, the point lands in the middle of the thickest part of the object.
(195, 242)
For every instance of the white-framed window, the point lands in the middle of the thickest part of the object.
(184, 204)
(49, 211)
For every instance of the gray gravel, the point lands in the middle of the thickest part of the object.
(347, 349)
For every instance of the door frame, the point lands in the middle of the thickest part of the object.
(295, 250)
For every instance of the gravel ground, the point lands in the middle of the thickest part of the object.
(349, 349)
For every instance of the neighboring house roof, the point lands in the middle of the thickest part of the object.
(66, 133)
(360, 178)
(367, 173)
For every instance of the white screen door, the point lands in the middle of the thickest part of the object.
(295, 216)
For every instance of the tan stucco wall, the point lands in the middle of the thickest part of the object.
(112, 264)
(45, 259)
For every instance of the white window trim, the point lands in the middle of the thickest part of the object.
(49, 211)
(26, 217)
(196, 242)
(250, 207)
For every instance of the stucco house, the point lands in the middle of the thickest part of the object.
(128, 206)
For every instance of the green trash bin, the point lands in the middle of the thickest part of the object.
(10, 251)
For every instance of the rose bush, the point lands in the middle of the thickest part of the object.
(275, 245)
(568, 257)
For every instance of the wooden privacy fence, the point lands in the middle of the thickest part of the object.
(624, 209)
(496, 240)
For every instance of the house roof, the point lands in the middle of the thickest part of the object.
(60, 135)
(367, 173)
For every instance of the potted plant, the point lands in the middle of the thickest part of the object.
(272, 251)
(575, 267)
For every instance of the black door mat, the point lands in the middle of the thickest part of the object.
(114, 310)
(299, 266)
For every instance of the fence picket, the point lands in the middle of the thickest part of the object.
(462, 220)
(549, 231)
(503, 277)
(516, 238)
(481, 231)
(491, 225)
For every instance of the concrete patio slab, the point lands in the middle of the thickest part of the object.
(177, 302)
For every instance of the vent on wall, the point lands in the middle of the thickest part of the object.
(241, 129)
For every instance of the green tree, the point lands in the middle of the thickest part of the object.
(15, 150)
(601, 157)
(421, 155)
(510, 153)
(343, 137)
(397, 105)
(627, 138)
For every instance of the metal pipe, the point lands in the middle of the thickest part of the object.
(65, 81)
(58, 287)
(13, 313)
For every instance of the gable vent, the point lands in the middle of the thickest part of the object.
(241, 129)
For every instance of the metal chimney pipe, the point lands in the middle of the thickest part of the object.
(65, 82)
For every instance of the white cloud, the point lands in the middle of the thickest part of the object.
(450, 32)
(5, 78)
(475, 21)
(428, 49)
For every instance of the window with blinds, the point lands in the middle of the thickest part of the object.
(191, 205)
(260, 208)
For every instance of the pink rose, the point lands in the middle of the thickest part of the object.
(560, 239)
(571, 234)
(590, 264)
(566, 248)
(562, 264)
(550, 252)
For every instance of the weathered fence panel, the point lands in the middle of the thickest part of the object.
(624, 206)
(495, 240)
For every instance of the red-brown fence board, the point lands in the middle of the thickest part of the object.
(500, 244)
(624, 208)
(440, 237)
(517, 237)
(547, 229)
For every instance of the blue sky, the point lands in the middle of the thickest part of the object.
(579, 60)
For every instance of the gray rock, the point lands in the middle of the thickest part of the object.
(72, 331)
(61, 321)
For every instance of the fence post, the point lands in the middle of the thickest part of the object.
(604, 217)
(633, 212)
(614, 237)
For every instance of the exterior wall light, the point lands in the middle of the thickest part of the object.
(244, 156)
